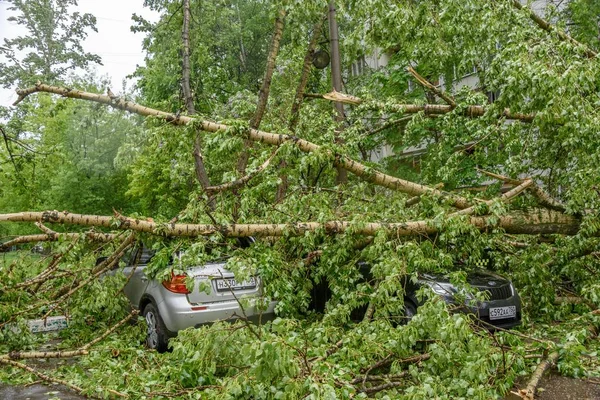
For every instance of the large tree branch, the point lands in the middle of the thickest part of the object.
(308, 57)
(472, 111)
(545, 25)
(431, 87)
(537, 221)
(44, 377)
(53, 237)
(263, 95)
(297, 102)
(506, 197)
(543, 197)
(358, 169)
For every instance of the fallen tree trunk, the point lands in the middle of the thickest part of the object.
(358, 169)
(52, 237)
(538, 221)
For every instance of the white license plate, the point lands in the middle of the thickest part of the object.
(232, 284)
(503, 312)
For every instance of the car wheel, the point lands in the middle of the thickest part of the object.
(156, 336)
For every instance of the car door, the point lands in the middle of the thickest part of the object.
(134, 271)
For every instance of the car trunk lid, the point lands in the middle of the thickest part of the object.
(214, 283)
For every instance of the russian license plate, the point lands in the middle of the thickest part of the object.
(503, 312)
(232, 284)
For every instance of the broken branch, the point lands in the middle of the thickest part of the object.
(529, 392)
(431, 87)
(243, 180)
(545, 25)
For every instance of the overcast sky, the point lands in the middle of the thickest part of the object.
(119, 48)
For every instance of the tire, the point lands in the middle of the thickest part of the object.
(157, 337)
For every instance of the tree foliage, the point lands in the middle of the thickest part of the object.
(99, 159)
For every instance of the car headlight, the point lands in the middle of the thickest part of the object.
(442, 289)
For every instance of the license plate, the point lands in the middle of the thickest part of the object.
(503, 312)
(232, 284)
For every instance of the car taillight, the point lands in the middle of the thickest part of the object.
(176, 284)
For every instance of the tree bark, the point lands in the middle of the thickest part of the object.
(536, 377)
(185, 76)
(297, 103)
(45, 237)
(263, 94)
(536, 221)
(358, 169)
(336, 79)
(506, 197)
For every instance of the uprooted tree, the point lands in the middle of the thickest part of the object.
(516, 177)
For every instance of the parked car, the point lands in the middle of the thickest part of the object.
(169, 306)
(501, 307)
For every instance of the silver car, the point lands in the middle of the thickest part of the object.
(169, 306)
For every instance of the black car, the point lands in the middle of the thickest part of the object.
(500, 307)
(500, 304)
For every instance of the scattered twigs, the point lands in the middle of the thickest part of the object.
(308, 57)
(389, 124)
(297, 103)
(529, 392)
(545, 25)
(391, 358)
(44, 275)
(385, 386)
(574, 300)
(383, 377)
(45, 229)
(243, 180)
(110, 330)
(506, 197)
(83, 350)
(431, 87)
(329, 351)
(548, 343)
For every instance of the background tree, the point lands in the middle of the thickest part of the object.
(52, 45)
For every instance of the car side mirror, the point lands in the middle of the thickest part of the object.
(100, 260)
